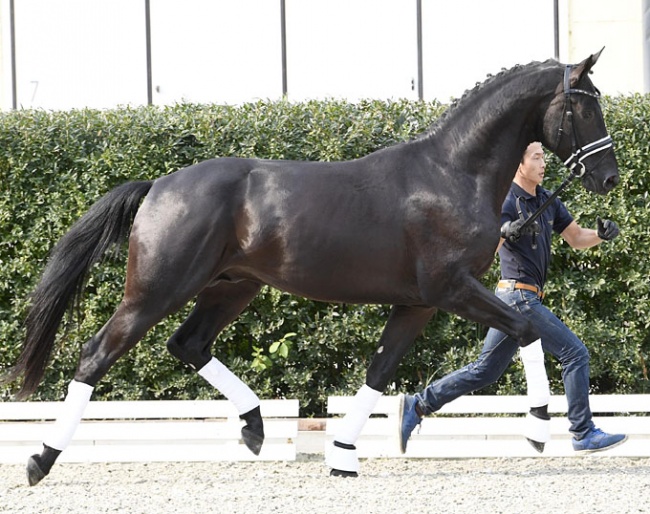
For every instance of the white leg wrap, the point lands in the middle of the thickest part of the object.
(66, 423)
(351, 425)
(532, 356)
(362, 406)
(227, 383)
(539, 393)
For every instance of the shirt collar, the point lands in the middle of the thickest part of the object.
(521, 192)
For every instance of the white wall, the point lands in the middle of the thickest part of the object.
(215, 51)
(464, 40)
(352, 49)
(91, 53)
(77, 53)
(618, 26)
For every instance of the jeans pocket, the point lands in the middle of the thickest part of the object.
(528, 300)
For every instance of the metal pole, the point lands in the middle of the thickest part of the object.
(283, 31)
(419, 35)
(147, 22)
(556, 28)
(12, 36)
(646, 45)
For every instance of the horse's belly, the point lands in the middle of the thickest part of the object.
(339, 283)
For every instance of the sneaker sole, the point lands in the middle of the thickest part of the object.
(586, 452)
(400, 420)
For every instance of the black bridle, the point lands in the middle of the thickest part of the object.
(578, 154)
(581, 153)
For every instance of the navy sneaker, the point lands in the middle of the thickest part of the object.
(408, 419)
(597, 441)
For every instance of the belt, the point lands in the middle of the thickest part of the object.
(520, 285)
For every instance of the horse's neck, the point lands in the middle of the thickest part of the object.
(489, 132)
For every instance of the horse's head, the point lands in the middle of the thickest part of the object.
(575, 131)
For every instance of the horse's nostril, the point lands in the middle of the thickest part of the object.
(611, 182)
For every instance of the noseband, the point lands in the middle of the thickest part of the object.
(578, 154)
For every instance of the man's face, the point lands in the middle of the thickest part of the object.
(533, 165)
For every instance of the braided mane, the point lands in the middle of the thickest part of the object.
(480, 86)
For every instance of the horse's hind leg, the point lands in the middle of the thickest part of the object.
(132, 319)
(215, 308)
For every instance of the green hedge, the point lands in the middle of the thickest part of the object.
(54, 165)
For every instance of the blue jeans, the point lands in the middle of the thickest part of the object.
(498, 351)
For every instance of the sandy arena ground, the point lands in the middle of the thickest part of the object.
(478, 486)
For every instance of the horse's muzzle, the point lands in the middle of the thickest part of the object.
(601, 184)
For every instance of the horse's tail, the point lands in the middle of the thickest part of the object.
(106, 223)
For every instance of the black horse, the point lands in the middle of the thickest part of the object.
(413, 225)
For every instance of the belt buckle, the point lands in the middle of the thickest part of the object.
(506, 286)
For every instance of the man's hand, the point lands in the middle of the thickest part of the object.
(607, 229)
(511, 230)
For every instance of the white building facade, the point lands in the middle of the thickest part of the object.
(64, 54)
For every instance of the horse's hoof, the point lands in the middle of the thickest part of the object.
(252, 440)
(344, 474)
(34, 472)
(539, 447)
(253, 432)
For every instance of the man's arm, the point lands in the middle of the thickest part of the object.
(581, 238)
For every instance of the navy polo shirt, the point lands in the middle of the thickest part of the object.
(519, 261)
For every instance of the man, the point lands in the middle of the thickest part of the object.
(525, 260)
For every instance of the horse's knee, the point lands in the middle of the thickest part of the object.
(384, 365)
(529, 333)
(380, 373)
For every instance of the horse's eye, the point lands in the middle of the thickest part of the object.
(588, 114)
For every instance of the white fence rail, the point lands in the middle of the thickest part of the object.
(150, 431)
(471, 426)
(492, 426)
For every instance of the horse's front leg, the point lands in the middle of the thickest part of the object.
(215, 308)
(403, 326)
(474, 302)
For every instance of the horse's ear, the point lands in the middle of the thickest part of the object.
(580, 70)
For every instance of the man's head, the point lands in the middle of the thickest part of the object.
(530, 172)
